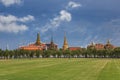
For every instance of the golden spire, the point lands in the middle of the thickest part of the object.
(65, 44)
(38, 39)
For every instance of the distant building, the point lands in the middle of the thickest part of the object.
(108, 45)
(35, 46)
(100, 46)
(74, 48)
(91, 46)
(38, 45)
(52, 45)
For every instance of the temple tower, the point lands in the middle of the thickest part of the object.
(108, 42)
(65, 44)
(38, 39)
(109, 45)
(52, 46)
(91, 46)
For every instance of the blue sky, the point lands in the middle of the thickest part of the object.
(83, 21)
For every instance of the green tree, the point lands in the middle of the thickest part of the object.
(11, 54)
(38, 53)
(84, 53)
(32, 54)
(1, 53)
(116, 52)
(47, 53)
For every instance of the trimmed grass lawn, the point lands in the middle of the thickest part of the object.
(60, 69)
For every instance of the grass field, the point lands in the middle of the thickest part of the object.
(60, 69)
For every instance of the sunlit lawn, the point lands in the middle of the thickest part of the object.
(60, 69)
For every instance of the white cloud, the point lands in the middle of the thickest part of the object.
(54, 23)
(11, 18)
(64, 16)
(12, 27)
(10, 23)
(7, 19)
(8, 3)
(27, 18)
(72, 4)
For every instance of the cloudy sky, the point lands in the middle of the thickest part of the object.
(83, 21)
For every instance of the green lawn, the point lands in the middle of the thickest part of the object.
(60, 69)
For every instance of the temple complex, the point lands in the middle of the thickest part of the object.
(100, 46)
(38, 45)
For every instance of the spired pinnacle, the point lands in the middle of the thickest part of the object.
(52, 43)
(108, 42)
(65, 41)
(92, 43)
(65, 44)
(38, 39)
(52, 39)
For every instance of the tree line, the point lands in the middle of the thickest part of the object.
(83, 53)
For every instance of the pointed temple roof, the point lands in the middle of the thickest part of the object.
(38, 42)
(92, 44)
(65, 44)
(52, 39)
(65, 40)
(108, 42)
